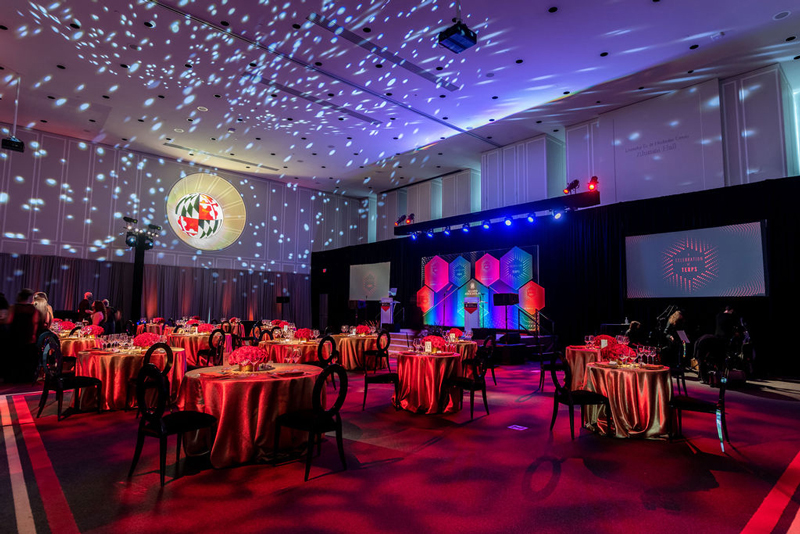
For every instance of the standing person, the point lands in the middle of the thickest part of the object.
(23, 319)
(672, 353)
(85, 307)
(45, 311)
(98, 316)
(111, 319)
(726, 324)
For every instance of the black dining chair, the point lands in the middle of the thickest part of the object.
(682, 403)
(474, 379)
(58, 381)
(571, 398)
(275, 332)
(327, 354)
(318, 420)
(380, 355)
(75, 330)
(547, 367)
(265, 335)
(169, 359)
(157, 425)
(213, 354)
(487, 353)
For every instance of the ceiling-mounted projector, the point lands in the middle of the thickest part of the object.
(458, 37)
(12, 143)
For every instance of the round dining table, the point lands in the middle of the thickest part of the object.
(192, 343)
(154, 328)
(72, 345)
(638, 397)
(246, 406)
(280, 351)
(115, 369)
(578, 357)
(422, 376)
(352, 347)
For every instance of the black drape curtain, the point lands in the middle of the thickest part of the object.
(582, 265)
(169, 292)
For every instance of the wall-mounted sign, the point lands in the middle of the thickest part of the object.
(206, 212)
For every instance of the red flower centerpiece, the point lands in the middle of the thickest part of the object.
(196, 317)
(192, 322)
(362, 330)
(67, 325)
(234, 319)
(145, 340)
(158, 320)
(205, 328)
(455, 331)
(437, 342)
(93, 330)
(280, 324)
(247, 357)
(55, 320)
(303, 333)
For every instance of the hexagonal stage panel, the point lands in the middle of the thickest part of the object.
(487, 270)
(436, 273)
(516, 267)
(425, 299)
(460, 271)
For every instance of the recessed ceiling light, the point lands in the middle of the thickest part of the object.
(552, 10)
(187, 65)
(491, 120)
(140, 120)
(178, 130)
(42, 120)
(76, 25)
(603, 54)
(366, 29)
(378, 65)
(213, 138)
(388, 94)
(3, 27)
(690, 71)
(318, 63)
(331, 95)
(123, 65)
(190, 119)
(51, 97)
(439, 68)
(62, 67)
(161, 97)
(566, 92)
(518, 61)
(150, 24)
(597, 102)
(202, 108)
(641, 88)
(217, 96)
(490, 74)
(694, 47)
(124, 138)
(494, 98)
(781, 15)
(790, 39)
(134, 47)
(538, 122)
(253, 64)
(555, 131)
(224, 23)
(296, 26)
(258, 139)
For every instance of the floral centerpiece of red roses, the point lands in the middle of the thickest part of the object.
(55, 320)
(362, 329)
(612, 352)
(280, 324)
(145, 340)
(247, 356)
(458, 333)
(93, 330)
(191, 322)
(158, 320)
(205, 328)
(303, 333)
(437, 342)
(67, 325)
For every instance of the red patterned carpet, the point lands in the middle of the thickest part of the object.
(419, 473)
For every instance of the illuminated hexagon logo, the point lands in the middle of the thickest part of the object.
(199, 215)
(487, 270)
(516, 267)
(459, 271)
(436, 274)
(531, 297)
(425, 299)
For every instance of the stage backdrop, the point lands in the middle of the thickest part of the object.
(449, 279)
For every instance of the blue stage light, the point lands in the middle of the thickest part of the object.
(531, 218)
(446, 230)
(486, 225)
(414, 236)
(465, 228)
(429, 233)
(558, 214)
(507, 221)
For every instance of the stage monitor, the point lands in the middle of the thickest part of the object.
(369, 281)
(723, 261)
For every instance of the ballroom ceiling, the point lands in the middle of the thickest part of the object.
(356, 96)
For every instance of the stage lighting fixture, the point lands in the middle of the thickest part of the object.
(465, 228)
(486, 224)
(531, 217)
(429, 233)
(558, 214)
(572, 186)
(410, 219)
(400, 220)
(130, 239)
(130, 220)
(507, 221)
(155, 227)
(446, 230)
(413, 236)
(458, 37)
(593, 183)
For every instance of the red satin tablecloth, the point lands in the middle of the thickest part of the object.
(280, 352)
(422, 379)
(351, 349)
(192, 343)
(71, 346)
(639, 400)
(246, 406)
(115, 369)
(152, 328)
(578, 356)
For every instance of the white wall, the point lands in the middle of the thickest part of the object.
(66, 197)
(522, 172)
(666, 145)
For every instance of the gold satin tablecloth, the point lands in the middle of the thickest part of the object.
(115, 369)
(280, 352)
(71, 346)
(246, 406)
(351, 349)
(578, 357)
(639, 400)
(422, 377)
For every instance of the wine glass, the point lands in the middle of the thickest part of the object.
(591, 341)
(345, 329)
(295, 356)
(315, 333)
(586, 340)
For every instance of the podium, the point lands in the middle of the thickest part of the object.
(472, 313)
(387, 310)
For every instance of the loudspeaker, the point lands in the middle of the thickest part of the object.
(505, 299)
